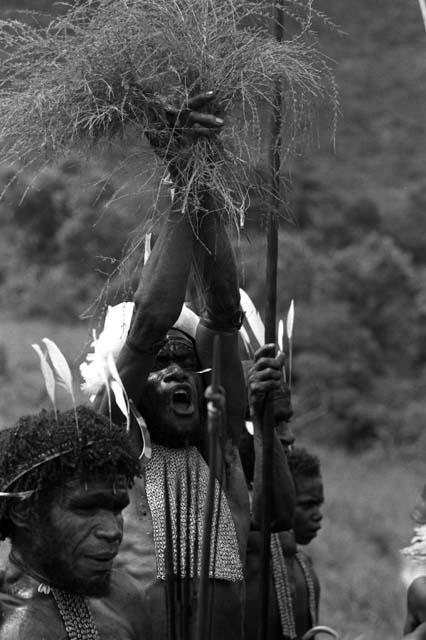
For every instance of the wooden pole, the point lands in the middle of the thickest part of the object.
(270, 336)
(214, 419)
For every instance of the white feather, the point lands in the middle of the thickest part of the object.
(60, 366)
(118, 390)
(116, 327)
(253, 319)
(246, 341)
(187, 321)
(48, 375)
(146, 452)
(120, 399)
(417, 547)
(422, 5)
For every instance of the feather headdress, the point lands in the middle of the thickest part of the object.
(96, 370)
(57, 371)
(417, 547)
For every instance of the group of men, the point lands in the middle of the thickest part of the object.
(101, 548)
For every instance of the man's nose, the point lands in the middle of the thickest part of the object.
(317, 515)
(175, 373)
(110, 527)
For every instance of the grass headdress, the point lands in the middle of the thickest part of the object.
(42, 451)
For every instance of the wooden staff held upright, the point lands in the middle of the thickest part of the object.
(270, 334)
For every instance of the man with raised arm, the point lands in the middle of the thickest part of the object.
(63, 486)
(158, 365)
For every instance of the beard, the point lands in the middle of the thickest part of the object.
(166, 433)
(58, 569)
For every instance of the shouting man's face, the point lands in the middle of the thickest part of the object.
(79, 537)
(173, 405)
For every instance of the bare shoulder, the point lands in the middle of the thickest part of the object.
(122, 613)
(416, 598)
(124, 589)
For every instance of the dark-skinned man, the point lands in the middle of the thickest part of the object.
(264, 377)
(62, 494)
(158, 366)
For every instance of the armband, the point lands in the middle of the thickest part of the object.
(231, 324)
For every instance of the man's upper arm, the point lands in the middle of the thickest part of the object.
(416, 604)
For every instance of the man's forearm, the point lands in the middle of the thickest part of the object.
(215, 260)
(158, 303)
(283, 493)
(161, 291)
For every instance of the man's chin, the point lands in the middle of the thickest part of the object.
(306, 539)
(176, 433)
(178, 440)
(94, 587)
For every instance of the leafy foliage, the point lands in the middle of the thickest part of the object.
(61, 234)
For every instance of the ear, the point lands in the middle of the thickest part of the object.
(22, 514)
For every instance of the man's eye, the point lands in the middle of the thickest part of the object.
(85, 508)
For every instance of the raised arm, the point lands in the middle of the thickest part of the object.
(221, 313)
(163, 281)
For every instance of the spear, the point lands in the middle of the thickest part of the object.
(214, 420)
(289, 328)
(280, 341)
(270, 333)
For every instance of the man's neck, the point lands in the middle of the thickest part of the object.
(25, 562)
(288, 542)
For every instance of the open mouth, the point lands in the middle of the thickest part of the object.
(182, 400)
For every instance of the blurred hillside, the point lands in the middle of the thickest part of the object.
(381, 65)
(352, 252)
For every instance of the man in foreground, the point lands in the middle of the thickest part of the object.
(63, 487)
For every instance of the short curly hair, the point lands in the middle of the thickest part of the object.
(41, 452)
(303, 464)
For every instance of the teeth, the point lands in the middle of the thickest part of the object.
(181, 396)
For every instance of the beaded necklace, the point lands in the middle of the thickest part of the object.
(76, 615)
(283, 589)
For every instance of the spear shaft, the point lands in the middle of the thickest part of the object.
(270, 334)
(214, 420)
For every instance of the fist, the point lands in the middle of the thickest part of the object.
(266, 376)
(172, 129)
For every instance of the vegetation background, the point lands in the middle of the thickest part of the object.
(352, 255)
